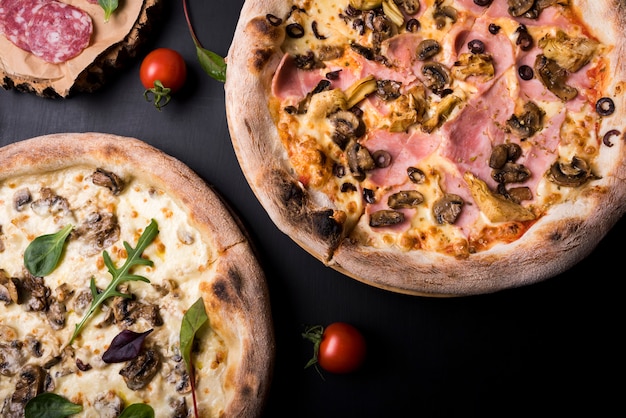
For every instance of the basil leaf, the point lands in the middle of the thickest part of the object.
(193, 320)
(109, 6)
(137, 410)
(213, 64)
(50, 405)
(125, 346)
(43, 254)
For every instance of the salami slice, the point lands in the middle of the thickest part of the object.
(15, 17)
(58, 32)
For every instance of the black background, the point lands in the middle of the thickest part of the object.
(550, 349)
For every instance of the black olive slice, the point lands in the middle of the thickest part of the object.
(605, 106)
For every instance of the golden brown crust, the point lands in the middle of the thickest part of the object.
(94, 71)
(554, 244)
(237, 300)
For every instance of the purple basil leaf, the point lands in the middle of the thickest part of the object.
(125, 346)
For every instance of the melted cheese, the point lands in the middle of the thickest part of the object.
(186, 264)
(308, 136)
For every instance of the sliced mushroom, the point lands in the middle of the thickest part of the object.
(179, 408)
(137, 373)
(416, 175)
(503, 153)
(359, 160)
(494, 206)
(519, 7)
(100, 230)
(386, 217)
(348, 127)
(511, 173)
(56, 315)
(8, 289)
(554, 78)
(107, 179)
(572, 174)
(108, 404)
(528, 123)
(442, 13)
(12, 357)
(31, 382)
(405, 199)
(410, 7)
(388, 89)
(427, 49)
(21, 198)
(448, 208)
(437, 76)
(50, 203)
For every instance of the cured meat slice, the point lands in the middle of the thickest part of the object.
(15, 16)
(58, 32)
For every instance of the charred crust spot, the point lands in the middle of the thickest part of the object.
(564, 231)
(291, 195)
(260, 58)
(220, 290)
(326, 226)
(261, 28)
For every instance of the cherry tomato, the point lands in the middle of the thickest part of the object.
(163, 72)
(338, 348)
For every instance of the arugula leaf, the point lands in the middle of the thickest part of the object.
(193, 320)
(43, 254)
(120, 275)
(213, 64)
(50, 405)
(109, 6)
(138, 410)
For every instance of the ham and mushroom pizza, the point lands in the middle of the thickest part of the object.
(126, 284)
(434, 147)
(55, 48)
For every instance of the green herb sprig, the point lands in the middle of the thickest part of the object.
(44, 252)
(194, 319)
(212, 64)
(120, 275)
(109, 6)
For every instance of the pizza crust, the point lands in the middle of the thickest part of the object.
(554, 244)
(236, 301)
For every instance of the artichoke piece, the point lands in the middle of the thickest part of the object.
(393, 12)
(442, 112)
(403, 113)
(326, 103)
(479, 65)
(365, 4)
(495, 207)
(569, 53)
(360, 90)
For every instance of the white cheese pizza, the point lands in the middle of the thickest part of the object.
(125, 282)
